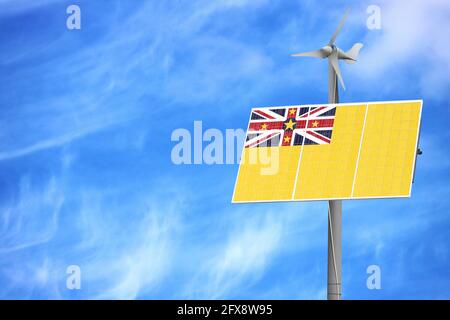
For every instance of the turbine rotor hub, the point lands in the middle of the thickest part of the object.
(327, 50)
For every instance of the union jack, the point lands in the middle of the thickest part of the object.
(290, 126)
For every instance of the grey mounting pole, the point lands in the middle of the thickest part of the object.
(334, 216)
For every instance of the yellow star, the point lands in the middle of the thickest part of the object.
(287, 139)
(315, 124)
(291, 111)
(264, 126)
(289, 125)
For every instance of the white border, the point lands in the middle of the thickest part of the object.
(342, 104)
(359, 150)
(322, 199)
(301, 154)
(343, 198)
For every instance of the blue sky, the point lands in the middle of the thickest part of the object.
(86, 176)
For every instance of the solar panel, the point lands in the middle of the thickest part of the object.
(329, 151)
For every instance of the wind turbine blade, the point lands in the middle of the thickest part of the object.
(315, 54)
(335, 64)
(338, 29)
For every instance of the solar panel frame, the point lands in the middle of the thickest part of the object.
(352, 197)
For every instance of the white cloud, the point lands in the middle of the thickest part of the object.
(413, 41)
(32, 219)
(123, 252)
(136, 56)
(250, 242)
(240, 260)
(132, 257)
(52, 142)
(141, 266)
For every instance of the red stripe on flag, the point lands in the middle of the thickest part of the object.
(301, 124)
(263, 114)
(318, 136)
(316, 110)
(270, 125)
(321, 123)
(262, 140)
(288, 135)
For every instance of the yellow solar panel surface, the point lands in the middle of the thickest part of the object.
(322, 152)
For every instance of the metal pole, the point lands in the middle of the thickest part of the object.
(334, 216)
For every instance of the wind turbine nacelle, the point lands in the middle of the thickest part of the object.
(326, 51)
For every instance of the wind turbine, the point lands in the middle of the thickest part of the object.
(334, 54)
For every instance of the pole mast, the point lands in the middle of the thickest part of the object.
(333, 55)
(334, 216)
